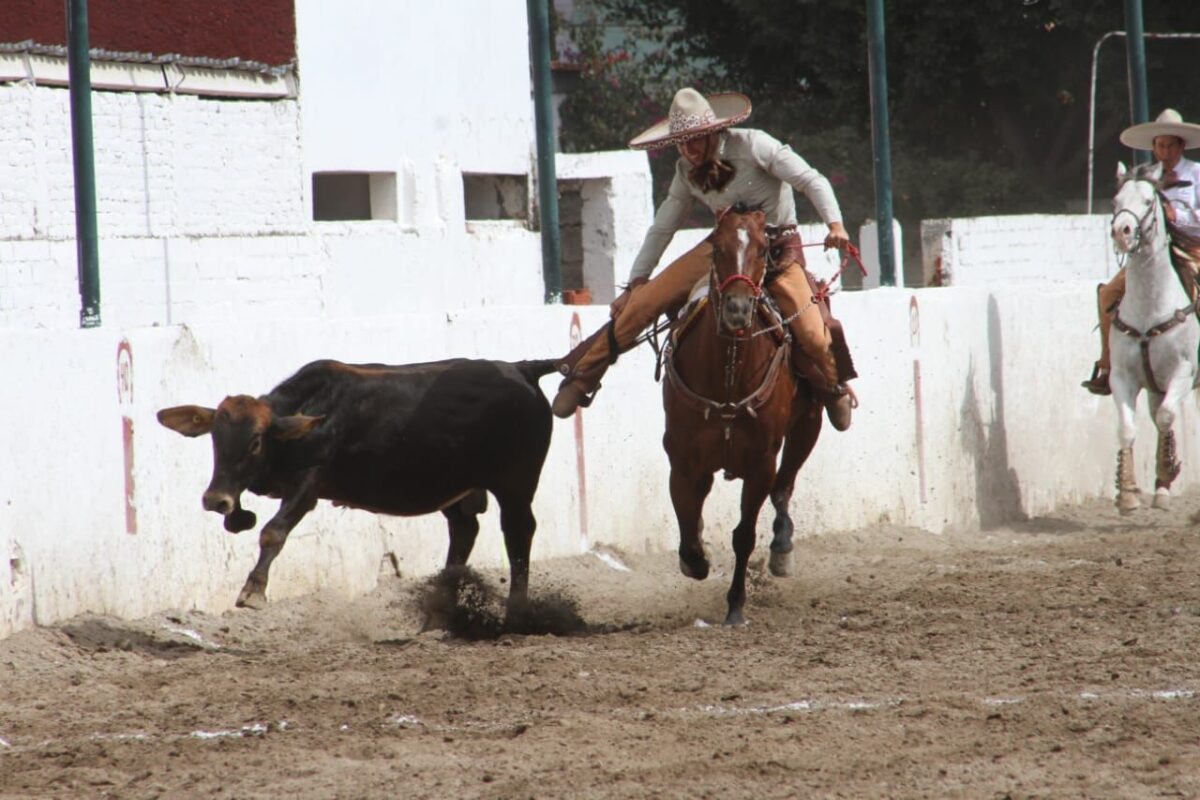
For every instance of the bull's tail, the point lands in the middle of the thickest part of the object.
(533, 370)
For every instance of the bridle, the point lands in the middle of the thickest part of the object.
(1143, 225)
(719, 288)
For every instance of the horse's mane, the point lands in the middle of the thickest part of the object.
(1141, 172)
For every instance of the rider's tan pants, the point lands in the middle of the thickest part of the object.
(1107, 297)
(670, 289)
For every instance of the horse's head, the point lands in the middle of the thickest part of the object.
(739, 264)
(1136, 207)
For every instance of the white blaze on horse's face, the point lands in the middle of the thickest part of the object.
(743, 246)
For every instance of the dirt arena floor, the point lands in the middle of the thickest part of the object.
(1054, 658)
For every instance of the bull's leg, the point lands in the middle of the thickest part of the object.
(463, 518)
(271, 539)
(518, 523)
(796, 449)
(687, 495)
(755, 488)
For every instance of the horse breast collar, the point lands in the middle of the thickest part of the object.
(1178, 318)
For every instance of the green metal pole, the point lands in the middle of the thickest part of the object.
(881, 142)
(543, 115)
(1135, 55)
(86, 240)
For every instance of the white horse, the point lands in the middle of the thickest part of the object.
(1155, 332)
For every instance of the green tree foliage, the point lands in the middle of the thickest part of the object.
(988, 99)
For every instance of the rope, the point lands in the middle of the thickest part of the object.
(825, 292)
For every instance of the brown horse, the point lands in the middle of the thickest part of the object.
(731, 402)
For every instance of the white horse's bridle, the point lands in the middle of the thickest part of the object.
(1144, 223)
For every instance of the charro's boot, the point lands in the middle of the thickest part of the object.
(840, 409)
(837, 399)
(1105, 306)
(579, 386)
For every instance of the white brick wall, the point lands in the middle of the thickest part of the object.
(982, 251)
(202, 209)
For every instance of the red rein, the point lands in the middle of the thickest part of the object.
(851, 252)
(739, 278)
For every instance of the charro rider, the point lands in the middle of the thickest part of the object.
(721, 166)
(1167, 137)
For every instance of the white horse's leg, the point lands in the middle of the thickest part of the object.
(1125, 397)
(1167, 466)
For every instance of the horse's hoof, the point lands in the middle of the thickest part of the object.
(252, 598)
(1128, 502)
(698, 571)
(780, 564)
(1162, 501)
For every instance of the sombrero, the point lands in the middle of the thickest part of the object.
(693, 115)
(1169, 123)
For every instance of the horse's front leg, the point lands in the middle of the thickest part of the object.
(755, 488)
(801, 439)
(1125, 396)
(688, 491)
(1166, 461)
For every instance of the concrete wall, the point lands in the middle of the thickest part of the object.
(998, 430)
(984, 251)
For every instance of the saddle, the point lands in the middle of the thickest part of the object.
(1185, 258)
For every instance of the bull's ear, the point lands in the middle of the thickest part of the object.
(188, 420)
(293, 427)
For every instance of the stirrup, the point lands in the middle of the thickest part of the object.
(1098, 383)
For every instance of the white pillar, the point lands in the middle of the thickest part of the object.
(868, 237)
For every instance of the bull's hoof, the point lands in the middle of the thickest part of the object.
(1128, 502)
(1162, 500)
(252, 597)
(697, 568)
(240, 520)
(780, 564)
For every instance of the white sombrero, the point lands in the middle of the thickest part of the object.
(693, 115)
(1169, 123)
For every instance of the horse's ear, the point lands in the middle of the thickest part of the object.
(1121, 171)
(1156, 172)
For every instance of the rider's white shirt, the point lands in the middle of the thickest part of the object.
(1186, 199)
(766, 172)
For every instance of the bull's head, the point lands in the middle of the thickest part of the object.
(244, 430)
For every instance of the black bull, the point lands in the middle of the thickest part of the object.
(402, 440)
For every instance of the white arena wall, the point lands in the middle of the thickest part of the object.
(999, 431)
(1017, 248)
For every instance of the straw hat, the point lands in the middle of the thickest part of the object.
(1169, 123)
(693, 115)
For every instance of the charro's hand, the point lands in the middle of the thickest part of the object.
(837, 237)
(619, 304)
(1169, 210)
